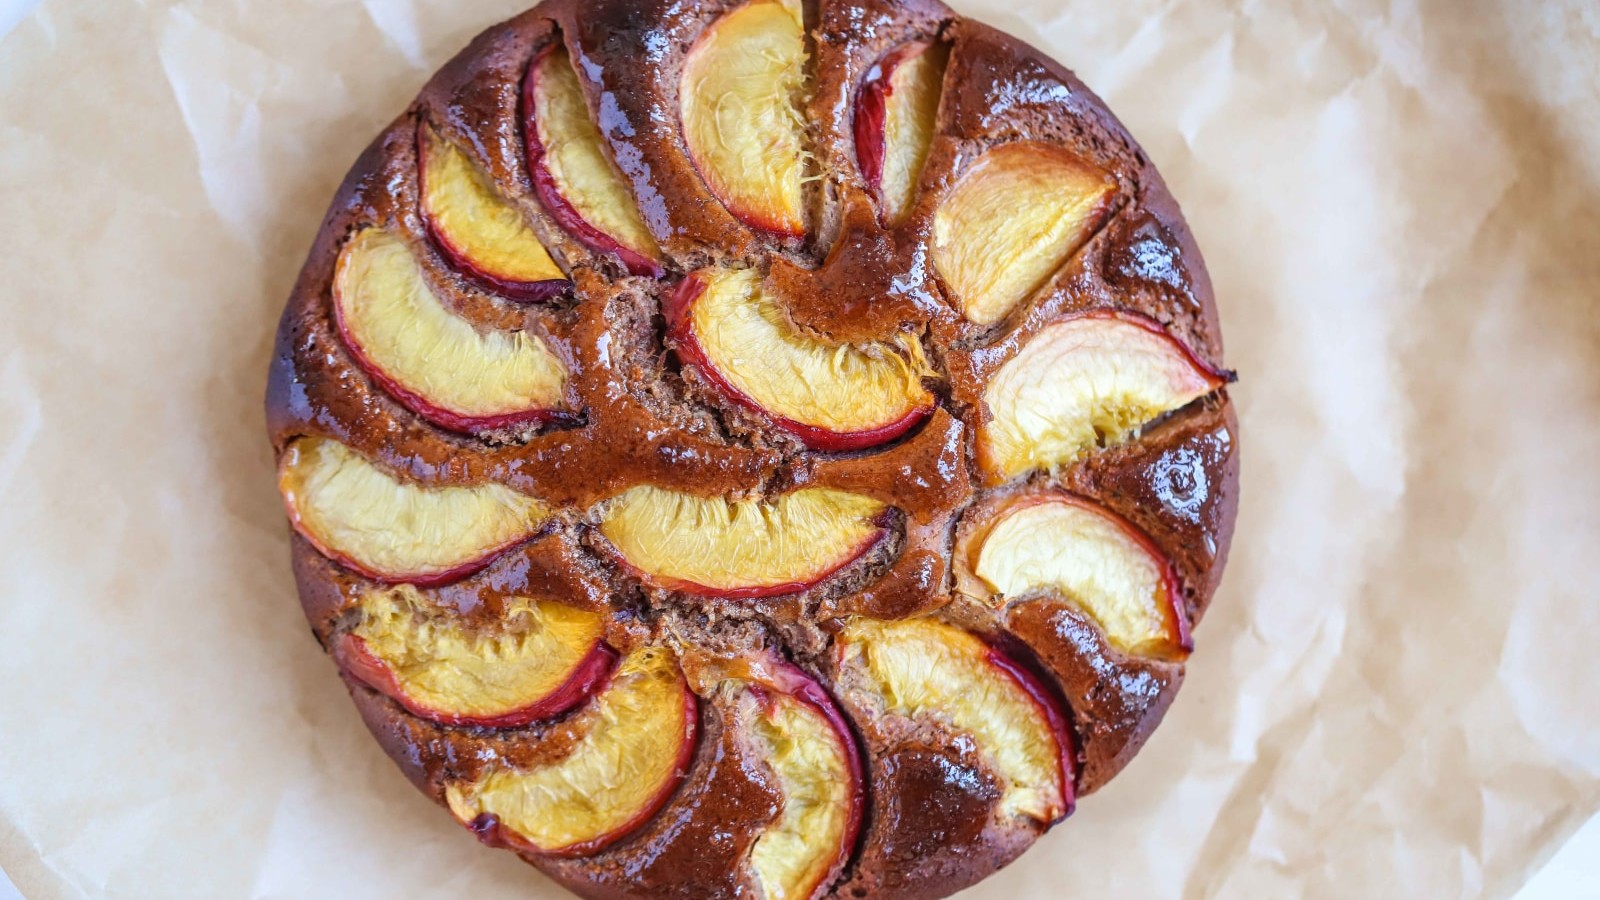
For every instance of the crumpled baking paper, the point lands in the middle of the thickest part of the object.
(1395, 693)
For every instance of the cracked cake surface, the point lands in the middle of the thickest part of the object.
(756, 449)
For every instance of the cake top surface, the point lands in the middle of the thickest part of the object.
(815, 410)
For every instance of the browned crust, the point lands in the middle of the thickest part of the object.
(931, 826)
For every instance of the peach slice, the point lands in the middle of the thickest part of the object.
(1015, 218)
(832, 397)
(926, 669)
(1096, 560)
(431, 360)
(814, 757)
(742, 549)
(739, 103)
(895, 119)
(575, 179)
(541, 660)
(481, 233)
(397, 531)
(1090, 380)
(640, 740)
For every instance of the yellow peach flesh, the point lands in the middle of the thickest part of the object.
(910, 117)
(615, 775)
(725, 545)
(399, 326)
(1079, 384)
(1088, 559)
(741, 119)
(796, 852)
(472, 217)
(577, 160)
(1012, 221)
(924, 669)
(440, 666)
(358, 512)
(844, 388)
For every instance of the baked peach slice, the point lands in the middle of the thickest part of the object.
(1087, 381)
(481, 233)
(741, 549)
(927, 670)
(397, 531)
(832, 397)
(795, 728)
(430, 359)
(540, 660)
(1015, 217)
(896, 114)
(639, 742)
(1093, 558)
(576, 181)
(739, 105)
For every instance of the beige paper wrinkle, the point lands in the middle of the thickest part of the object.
(1393, 693)
(217, 82)
(398, 23)
(19, 408)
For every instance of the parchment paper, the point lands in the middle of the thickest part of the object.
(1395, 694)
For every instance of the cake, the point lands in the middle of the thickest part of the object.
(760, 449)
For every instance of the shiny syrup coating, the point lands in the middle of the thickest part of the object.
(930, 825)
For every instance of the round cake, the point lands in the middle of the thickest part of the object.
(774, 448)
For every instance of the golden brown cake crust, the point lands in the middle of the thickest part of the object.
(930, 826)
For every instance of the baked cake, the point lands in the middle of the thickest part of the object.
(771, 448)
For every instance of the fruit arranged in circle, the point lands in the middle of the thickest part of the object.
(1015, 218)
(741, 549)
(575, 179)
(430, 359)
(833, 397)
(925, 669)
(394, 530)
(541, 659)
(640, 738)
(1094, 559)
(483, 234)
(741, 122)
(1091, 380)
(871, 336)
(895, 119)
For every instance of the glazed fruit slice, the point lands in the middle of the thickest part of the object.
(639, 743)
(575, 179)
(741, 120)
(895, 119)
(741, 549)
(1096, 560)
(393, 530)
(832, 397)
(924, 669)
(483, 235)
(796, 730)
(1091, 380)
(541, 659)
(431, 360)
(1015, 218)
